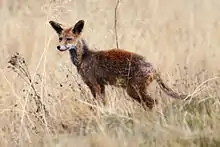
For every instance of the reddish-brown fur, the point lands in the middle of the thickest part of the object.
(114, 67)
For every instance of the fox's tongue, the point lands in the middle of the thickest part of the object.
(62, 48)
(66, 47)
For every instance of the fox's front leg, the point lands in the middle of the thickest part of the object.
(97, 92)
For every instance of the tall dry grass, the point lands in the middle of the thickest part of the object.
(180, 37)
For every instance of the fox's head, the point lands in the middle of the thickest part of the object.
(68, 37)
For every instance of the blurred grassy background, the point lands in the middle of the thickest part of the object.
(181, 38)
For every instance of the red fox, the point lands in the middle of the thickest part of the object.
(113, 67)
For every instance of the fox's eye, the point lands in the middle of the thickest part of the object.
(60, 38)
(68, 39)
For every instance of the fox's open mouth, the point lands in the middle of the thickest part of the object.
(66, 47)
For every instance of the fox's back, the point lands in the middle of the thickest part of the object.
(117, 63)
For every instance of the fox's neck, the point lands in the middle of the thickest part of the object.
(85, 47)
(82, 50)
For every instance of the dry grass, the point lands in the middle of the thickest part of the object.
(181, 38)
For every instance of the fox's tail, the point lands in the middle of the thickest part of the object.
(166, 89)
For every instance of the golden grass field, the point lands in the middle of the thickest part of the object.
(181, 38)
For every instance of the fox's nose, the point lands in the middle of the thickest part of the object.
(58, 47)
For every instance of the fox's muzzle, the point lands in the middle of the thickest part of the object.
(66, 47)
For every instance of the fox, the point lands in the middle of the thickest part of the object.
(116, 67)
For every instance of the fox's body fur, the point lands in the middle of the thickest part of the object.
(112, 67)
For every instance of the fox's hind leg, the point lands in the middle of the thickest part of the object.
(139, 94)
(148, 100)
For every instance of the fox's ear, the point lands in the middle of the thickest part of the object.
(56, 26)
(78, 27)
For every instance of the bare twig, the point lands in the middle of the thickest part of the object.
(115, 27)
(199, 88)
(19, 66)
